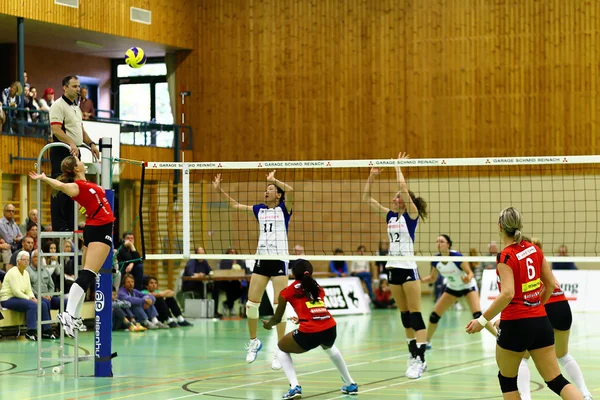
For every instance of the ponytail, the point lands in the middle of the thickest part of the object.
(303, 272)
(67, 166)
(421, 205)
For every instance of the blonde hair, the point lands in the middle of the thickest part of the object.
(511, 223)
(537, 242)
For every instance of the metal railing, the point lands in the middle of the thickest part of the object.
(24, 123)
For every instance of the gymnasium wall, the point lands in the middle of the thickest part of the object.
(173, 21)
(300, 79)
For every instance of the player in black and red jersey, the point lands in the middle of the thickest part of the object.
(524, 326)
(97, 234)
(317, 328)
(561, 318)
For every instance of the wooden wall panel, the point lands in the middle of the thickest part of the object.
(366, 78)
(173, 21)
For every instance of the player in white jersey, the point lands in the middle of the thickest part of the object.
(273, 218)
(403, 276)
(460, 282)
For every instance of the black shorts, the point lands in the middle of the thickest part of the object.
(271, 268)
(560, 316)
(460, 293)
(101, 233)
(399, 276)
(309, 341)
(525, 334)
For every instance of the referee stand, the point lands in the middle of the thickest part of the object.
(103, 323)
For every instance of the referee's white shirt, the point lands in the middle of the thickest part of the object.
(67, 114)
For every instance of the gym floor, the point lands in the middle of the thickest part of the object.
(208, 360)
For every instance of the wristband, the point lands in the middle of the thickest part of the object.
(482, 321)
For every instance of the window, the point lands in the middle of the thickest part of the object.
(142, 96)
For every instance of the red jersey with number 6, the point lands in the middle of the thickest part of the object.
(313, 317)
(93, 204)
(525, 260)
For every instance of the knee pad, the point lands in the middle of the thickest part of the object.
(477, 314)
(557, 384)
(416, 321)
(252, 309)
(405, 316)
(507, 385)
(86, 279)
(434, 318)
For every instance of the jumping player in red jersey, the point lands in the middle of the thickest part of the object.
(524, 326)
(97, 234)
(317, 328)
(559, 314)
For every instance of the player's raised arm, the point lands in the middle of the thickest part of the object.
(232, 202)
(367, 197)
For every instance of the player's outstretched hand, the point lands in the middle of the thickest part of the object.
(294, 320)
(376, 171)
(266, 325)
(217, 182)
(36, 176)
(271, 176)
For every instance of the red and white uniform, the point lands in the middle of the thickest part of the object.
(525, 260)
(93, 204)
(313, 317)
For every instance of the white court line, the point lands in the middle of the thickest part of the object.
(417, 380)
(316, 372)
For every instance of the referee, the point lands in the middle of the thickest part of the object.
(67, 127)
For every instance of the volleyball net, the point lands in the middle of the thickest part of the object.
(557, 196)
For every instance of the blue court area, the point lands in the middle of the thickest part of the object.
(207, 361)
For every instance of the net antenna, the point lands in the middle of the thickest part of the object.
(557, 196)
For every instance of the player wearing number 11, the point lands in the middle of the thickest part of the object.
(403, 276)
(273, 217)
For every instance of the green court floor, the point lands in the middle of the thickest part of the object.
(207, 361)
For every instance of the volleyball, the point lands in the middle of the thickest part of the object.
(135, 57)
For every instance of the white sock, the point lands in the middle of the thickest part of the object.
(76, 295)
(288, 367)
(170, 320)
(154, 320)
(337, 359)
(574, 372)
(523, 378)
(180, 318)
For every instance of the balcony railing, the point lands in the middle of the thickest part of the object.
(26, 123)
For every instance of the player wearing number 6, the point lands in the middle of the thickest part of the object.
(522, 268)
(273, 218)
(403, 276)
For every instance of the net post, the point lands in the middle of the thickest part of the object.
(103, 296)
(186, 211)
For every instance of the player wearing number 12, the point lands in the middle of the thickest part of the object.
(273, 218)
(403, 276)
(521, 270)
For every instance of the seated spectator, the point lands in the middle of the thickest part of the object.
(298, 251)
(236, 289)
(340, 268)
(16, 294)
(168, 310)
(383, 296)
(562, 252)
(130, 261)
(51, 262)
(86, 105)
(47, 100)
(476, 267)
(32, 218)
(34, 104)
(142, 305)
(36, 274)
(196, 269)
(27, 243)
(361, 269)
(123, 318)
(32, 232)
(493, 252)
(10, 234)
